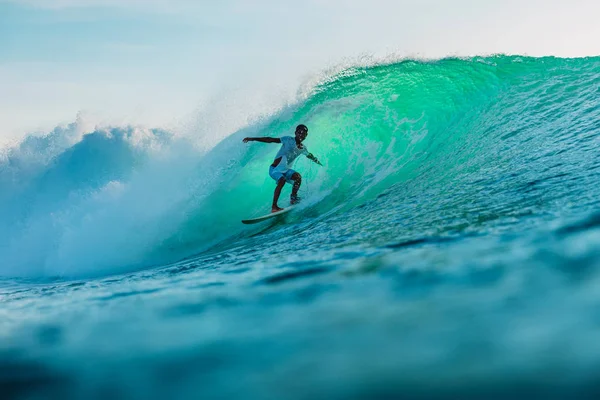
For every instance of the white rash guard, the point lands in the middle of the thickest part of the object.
(288, 153)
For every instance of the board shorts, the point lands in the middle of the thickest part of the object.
(277, 174)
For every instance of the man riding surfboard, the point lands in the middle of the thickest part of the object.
(281, 170)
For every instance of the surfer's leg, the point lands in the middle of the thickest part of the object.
(280, 184)
(297, 178)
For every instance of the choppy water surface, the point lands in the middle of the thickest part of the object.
(449, 248)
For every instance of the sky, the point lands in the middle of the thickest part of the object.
(158, 62)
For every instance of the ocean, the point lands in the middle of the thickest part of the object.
(448, 248)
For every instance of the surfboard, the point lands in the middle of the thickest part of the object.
(268, 216)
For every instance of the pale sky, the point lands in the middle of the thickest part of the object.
(156, 62)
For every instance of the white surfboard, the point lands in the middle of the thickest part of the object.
(268, 216)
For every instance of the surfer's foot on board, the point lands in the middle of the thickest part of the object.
(275, 209)
(295, 200)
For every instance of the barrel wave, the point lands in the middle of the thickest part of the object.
(454, 142)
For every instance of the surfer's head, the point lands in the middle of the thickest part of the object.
(301, 132)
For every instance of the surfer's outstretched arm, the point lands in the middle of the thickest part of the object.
(313, 158)
(262, 139)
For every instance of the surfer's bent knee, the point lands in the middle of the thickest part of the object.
(296, 176)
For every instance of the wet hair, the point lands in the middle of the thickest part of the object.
(301, 127)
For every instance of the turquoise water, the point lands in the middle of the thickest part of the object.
(450, 247)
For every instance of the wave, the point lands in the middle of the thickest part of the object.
(90, 203)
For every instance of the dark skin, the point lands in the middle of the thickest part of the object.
(296, 177)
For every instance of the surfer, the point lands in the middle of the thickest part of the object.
(281, 170)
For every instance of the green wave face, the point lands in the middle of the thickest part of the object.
(441, 124)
